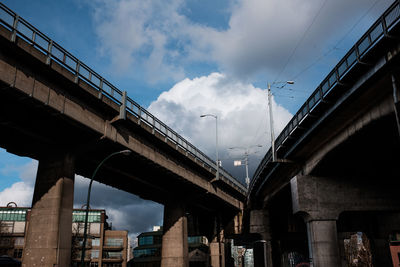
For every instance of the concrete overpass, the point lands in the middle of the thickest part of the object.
(56, 109)
(337, 166)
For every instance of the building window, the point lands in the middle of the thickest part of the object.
(8, 214)
(114, 242)
(7, 227)
(79, 216)
(95, 253)
(146, 240)
(146, 252)
(96, 242)
(5, 241)
(94, 264)
(112, 264)
(18, 253)
(112, 255)
(19, 241)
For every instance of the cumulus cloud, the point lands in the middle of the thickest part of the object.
(20, 192)
(241, 109)
(155, 37)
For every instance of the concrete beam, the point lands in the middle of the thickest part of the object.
(326, 197)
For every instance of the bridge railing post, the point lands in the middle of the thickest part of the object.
(49, 48)
(15, 25)
(122, 108)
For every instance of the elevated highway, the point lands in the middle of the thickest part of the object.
(56, 109)
(337, 165)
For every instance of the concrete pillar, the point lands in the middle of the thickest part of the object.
(323, 243)
(259, 223)
(175, 238)
(217, 252)
(49, 234)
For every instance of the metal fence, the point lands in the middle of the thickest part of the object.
(355, 55)
(21, 28)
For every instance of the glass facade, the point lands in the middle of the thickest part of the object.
(146, 240)
(114, 242)
(146, 252)
(13, 214)
(197, 240)
(93, 216)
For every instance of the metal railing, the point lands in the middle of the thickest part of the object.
(380, 28)
(21, 28)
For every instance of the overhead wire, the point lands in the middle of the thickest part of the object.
(300, 40)
(335, 47)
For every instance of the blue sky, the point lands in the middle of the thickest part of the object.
(181, 58)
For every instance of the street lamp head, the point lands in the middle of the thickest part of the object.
(208, 115)
(126, 152)
(290, 82)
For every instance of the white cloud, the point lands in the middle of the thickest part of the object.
(241, 109)
(154, 37)
(20, 193)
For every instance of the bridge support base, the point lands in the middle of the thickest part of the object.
(48, 239)
(323, 243)
(175, 238)
(217, 251)
(259, 223)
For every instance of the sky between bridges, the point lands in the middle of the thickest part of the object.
(181, 59)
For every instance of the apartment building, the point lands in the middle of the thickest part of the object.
(105, 247)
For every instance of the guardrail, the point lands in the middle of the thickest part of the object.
(375, 33)
(20, 27)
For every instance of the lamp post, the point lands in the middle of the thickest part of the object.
(271, 117)
(246, 161)
(216, 140)
(125, 152)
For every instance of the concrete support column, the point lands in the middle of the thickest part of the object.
(217, 251)
(259, 223)
(48, 238)
(323, 243)
(175, 238)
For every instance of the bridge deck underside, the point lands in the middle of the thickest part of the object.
(43, 112)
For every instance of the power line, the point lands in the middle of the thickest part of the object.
(335, 47)
(301, 39)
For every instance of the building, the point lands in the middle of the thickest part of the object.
(148, 251)
(13, 225)
(104, 248)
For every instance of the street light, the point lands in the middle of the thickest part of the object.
(125, 152)
(271, 119)
(216, 141)
(246, 160)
